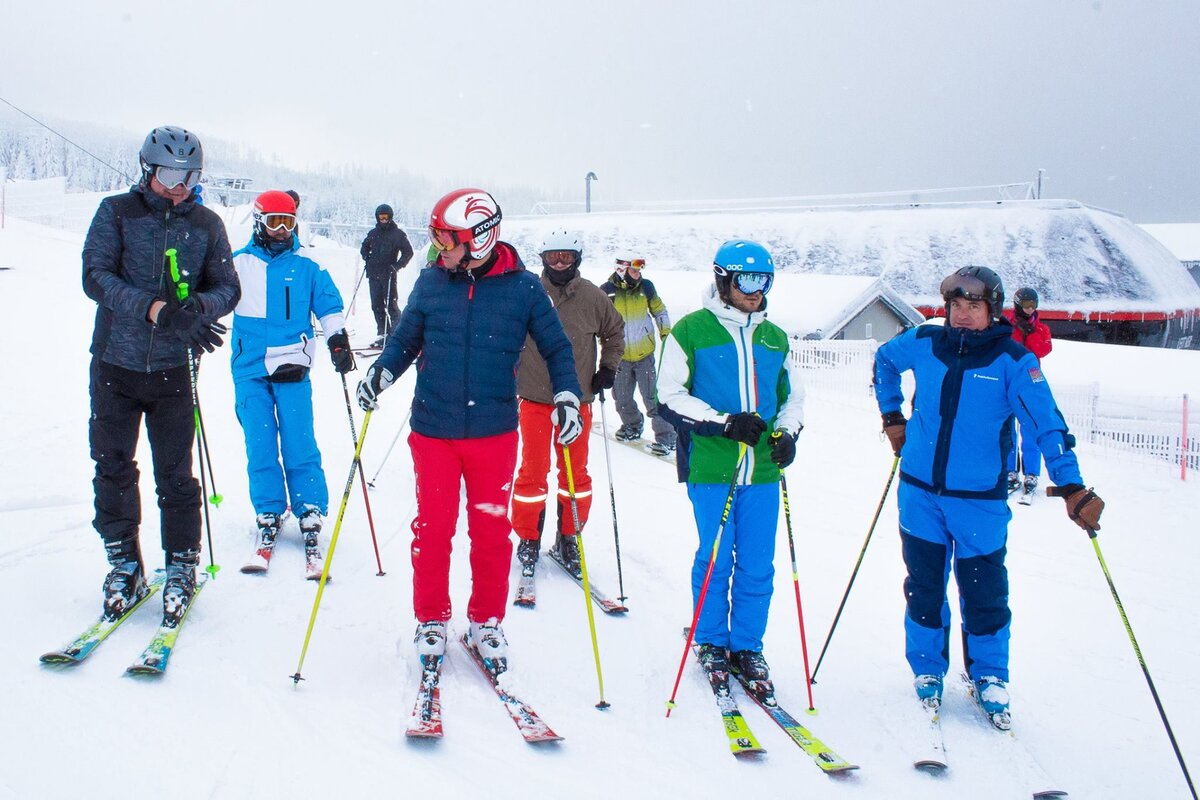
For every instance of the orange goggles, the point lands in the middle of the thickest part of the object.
(559, 257)
(274, 222)
(633, 263)
(444, 239)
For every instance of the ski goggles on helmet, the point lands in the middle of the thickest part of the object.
(635, 264)
(559, 257)
(171, 177)
(274, 222)
(443, 238)
(751, 282)
(969, 287)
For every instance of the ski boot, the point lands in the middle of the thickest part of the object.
(568, 551)
(629, 433)
(753, 669)
(180, 586)
(713, 657)
(1028, 489)
(1014, 482)
(488, 639)
(430, 639)
(268, 528)
(662, 449)
(310, 529)
(527, 556)
(992, 695)
(125, 584)
(929, 690)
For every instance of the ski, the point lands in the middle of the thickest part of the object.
(933, 760)
(526, 596)
(532, 728)
(153, 660)
(1043, 778)
(1027, 493)
(824, 756)
(603, 601)
(314, 564)
(426, 720)
(83, 644)
(741, 739)
(639, 444)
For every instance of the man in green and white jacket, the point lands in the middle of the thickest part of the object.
(725, 380)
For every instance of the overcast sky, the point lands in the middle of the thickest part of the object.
(662, 100)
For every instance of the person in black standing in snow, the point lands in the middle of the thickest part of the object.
(385, 250)
(140, 360)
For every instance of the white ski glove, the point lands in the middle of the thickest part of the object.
(565, 417)
(377, 379)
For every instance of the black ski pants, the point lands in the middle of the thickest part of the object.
(120, 398)
(384, 302)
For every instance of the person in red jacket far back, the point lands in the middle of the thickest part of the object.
(1033, 333)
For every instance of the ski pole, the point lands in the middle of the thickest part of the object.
(362, 477)
(712, 560)
(337, 527)
(1053, 491)
(396, 438)
(354, 295)
(216, 496)
(612, 497)
(587, 598)
(787, 515)
(857, 564)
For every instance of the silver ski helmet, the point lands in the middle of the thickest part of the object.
(171, 147)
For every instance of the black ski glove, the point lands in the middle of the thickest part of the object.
(190, 327)
(340, 352)
(603, 379)
(783, 447)
(744, 427)
(895, 427)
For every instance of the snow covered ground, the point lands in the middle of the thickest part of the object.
(226, 721)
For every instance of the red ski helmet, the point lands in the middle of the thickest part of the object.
(466, 216)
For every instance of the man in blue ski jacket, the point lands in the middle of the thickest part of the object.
(273, 351)
(971, 379)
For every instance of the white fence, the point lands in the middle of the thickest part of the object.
(1159, 431)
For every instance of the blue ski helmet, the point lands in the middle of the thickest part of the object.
(743, 255)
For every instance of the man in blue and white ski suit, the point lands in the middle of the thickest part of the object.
(273, 350)
(971, 378)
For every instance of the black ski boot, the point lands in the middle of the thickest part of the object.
(568, 551)
(180, 586)
(752, 667)
(268, 528)
(310, 529)
(527, 556)
(713, 657)
(125, 584)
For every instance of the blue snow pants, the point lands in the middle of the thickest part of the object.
(1031, 456)
(735, 616)
(935, 532)
(277, 419)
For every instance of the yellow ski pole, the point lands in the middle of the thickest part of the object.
(587, 598)
(312, 619)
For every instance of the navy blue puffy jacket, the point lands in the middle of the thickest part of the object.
(969, 386)
(123, 272)
(466, 336)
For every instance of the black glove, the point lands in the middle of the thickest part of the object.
(783, 447)
(340, 352)
(603, 379)
(190, 327)
(744, 427)
(895, 428)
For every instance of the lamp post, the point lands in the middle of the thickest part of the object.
(587, 182)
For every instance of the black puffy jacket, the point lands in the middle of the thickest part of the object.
(386, 247)
(124, 272)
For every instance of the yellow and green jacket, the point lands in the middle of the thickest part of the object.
(641, 308)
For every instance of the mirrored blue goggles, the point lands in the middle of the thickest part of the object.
(171, 177)
(751, 282)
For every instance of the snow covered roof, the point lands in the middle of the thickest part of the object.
(1079, 258)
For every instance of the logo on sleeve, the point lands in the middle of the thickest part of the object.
(1036, 375)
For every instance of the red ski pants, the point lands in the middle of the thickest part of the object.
(442, 465)
(530, 492)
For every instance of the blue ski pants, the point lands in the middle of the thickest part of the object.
(277, 420)
(739, 594)
(937, 532)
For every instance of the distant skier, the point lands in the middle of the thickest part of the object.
(727, 380)
(385, 251)
(1033, 333)
(465, 324)
(273, 351)
(586, 315)
(140, 348)
(971, 378)
(639, 305)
